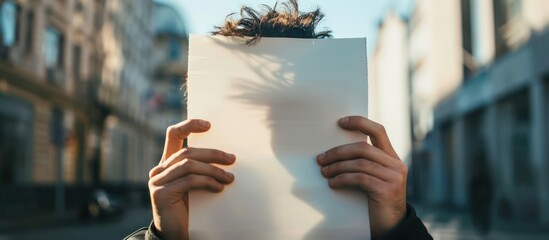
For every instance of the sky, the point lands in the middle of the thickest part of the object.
(346, 18)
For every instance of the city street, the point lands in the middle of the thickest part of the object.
(447, 225)
(131, 221)
(453, 231)
(93, 94)
(442, 225)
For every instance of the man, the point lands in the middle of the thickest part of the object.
(372, 168)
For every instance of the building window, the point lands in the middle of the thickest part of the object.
(174, 49)
(546, 125)
(76, 70)
(513, 8)
(522, 131)
(57, 135)
(8, 12)
(95, 65)
(54, 50)
(504, 11)
(515, 138)
(476, 152)
(449, 153)
(76, 59)
(16, 125)
(79, 7)
(52, 47)
(467, 38)
(29, 31)
(9, 26)
(174, 95)
(466, 25)
(98, 15)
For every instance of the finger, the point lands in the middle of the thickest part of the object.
(204, 155)
(356, 180)
(374, 130)
(359, 166)
(191, 167)
(198, 154)
(176, 134)
(194, 182)
(354, 151)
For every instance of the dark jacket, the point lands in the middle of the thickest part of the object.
(411, 228)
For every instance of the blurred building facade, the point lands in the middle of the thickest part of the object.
(46, 61)
(500, 110)
(480, 94)
(169, 60)
(129, 148)
(75, 78)
(435, 71)
(389, 99)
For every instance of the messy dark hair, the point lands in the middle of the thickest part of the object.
(270, 22)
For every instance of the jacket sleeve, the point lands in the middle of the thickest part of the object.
(146, 233)
(409, 228)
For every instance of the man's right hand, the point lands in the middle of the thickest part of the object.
(179, 171)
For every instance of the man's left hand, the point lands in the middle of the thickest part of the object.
(373, 168)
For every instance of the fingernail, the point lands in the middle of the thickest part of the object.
(344, 120)
(229, 175)
(331, 183)
(231, 156)
(204, 123)
(323, 170)
(320, 157)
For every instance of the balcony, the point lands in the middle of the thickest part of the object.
(169, 69)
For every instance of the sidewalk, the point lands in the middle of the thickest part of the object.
(445, 223)
(37, 221)
(134, 218)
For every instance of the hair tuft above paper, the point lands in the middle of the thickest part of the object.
(287, 22)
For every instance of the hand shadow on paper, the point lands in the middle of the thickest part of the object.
(291, 146)
(293, 103)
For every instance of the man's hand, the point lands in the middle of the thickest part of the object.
(182, 170)
(375, 169)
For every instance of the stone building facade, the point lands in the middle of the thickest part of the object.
(73, 78)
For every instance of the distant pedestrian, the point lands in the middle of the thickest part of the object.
(480, 193)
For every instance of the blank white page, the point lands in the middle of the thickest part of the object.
(275, 105)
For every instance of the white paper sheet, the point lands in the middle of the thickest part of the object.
(275, 105)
